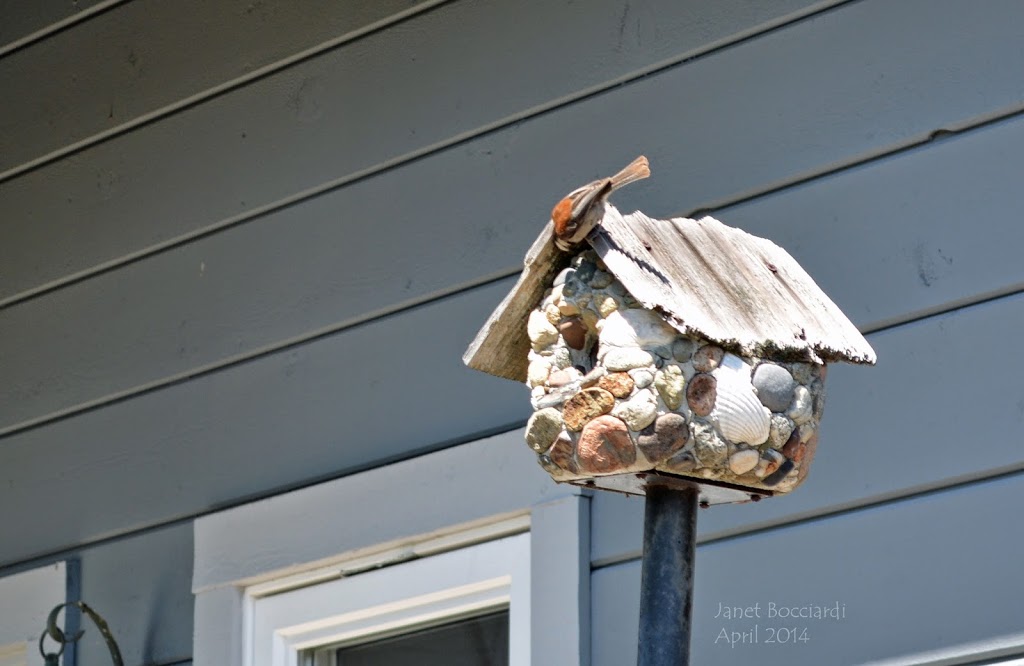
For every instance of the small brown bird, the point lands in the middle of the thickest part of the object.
(578, 213)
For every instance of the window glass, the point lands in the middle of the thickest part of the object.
(478, 641)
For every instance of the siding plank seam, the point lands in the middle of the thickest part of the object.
(400, 160)
(310, 337)
(894, 499)
(933, 137)
(59, 26)
(221, 89)
(889, 499)
(73, 550)
(412, 305)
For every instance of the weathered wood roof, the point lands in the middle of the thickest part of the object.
(707, 279)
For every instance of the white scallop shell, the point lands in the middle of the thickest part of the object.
(738, 413)
(636, 328)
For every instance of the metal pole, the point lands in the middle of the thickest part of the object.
(666, 586)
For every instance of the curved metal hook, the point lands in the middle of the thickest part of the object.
(58, 635)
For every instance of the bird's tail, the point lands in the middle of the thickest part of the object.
(638, 169)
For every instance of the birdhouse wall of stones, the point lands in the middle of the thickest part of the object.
(616, 389)
(680, 348)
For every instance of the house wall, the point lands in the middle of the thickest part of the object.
(244, 245)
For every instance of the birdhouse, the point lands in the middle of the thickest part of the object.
(674, 348)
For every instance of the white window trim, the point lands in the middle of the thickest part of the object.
(437, 502)
(405, 597)
(26, 600)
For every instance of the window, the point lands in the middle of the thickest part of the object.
(347, 620)
(476, 641)
(457, 547)
(25, 602)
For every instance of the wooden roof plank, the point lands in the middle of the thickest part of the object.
(707, 279)
(501, 346)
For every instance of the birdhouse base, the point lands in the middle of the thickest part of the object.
(637, 483)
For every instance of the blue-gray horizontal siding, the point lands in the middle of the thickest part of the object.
(216, 285)
(25, 20)
(242, 291)
(914, 576)
(896, 238)
(936, 409)
(377, 392)
(145, 57)
(353, 110)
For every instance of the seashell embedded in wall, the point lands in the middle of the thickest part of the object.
(595, 351)
(739, 415)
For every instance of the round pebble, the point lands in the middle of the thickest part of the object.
(662, 351)
(682, 462)
(773, 460)
(668, 434)
(707, 358)
(774, 386)
(537, 372)
(619, 384)
(617, 359)
(701, 393)
(593, 377)
(586, 405)
(744, 461)
(607, 305)
(604, 446)
(560, 378)
(542, 429)
(639, 411)
(682, 349)
(781, 429)
(568, 308)
(801, 409)
(561, 358)
(574, 332)
(554, 399)
(711, 450)
(636, 328)
(541, 331)
(670, 383)
(642, 376)
(794, 448)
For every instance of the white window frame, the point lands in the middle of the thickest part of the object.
(26, 600)
(447, 503)
(461, 583)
